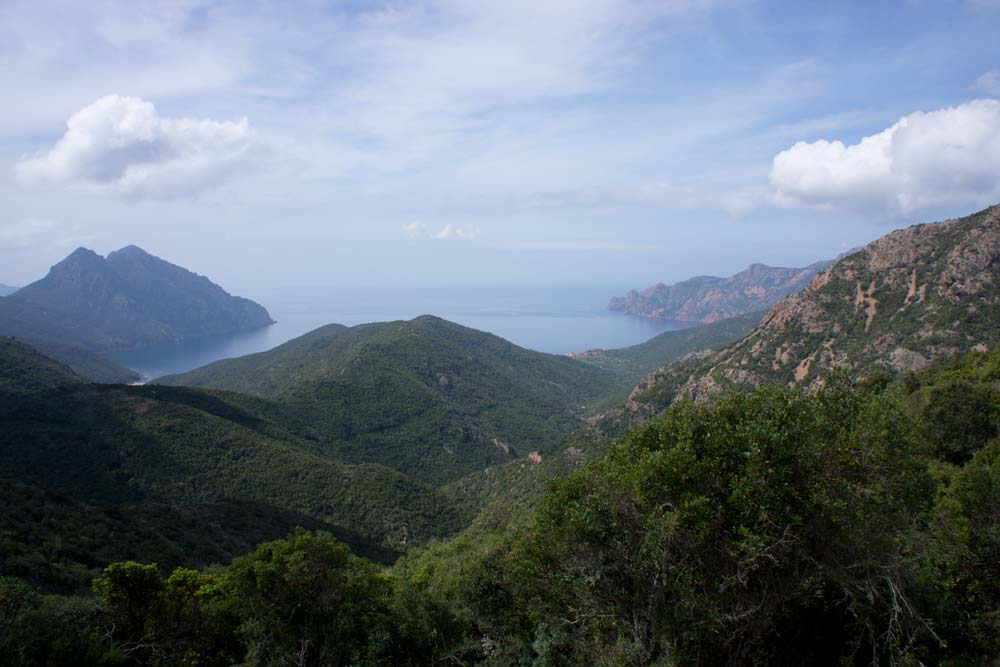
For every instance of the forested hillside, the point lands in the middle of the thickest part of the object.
(426, 397)
(168, 454)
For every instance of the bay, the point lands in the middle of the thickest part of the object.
(553, 319)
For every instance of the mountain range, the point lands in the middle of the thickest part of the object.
(708, 299)
(126, 301)
(6, 290)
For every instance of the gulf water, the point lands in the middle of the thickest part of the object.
(553, 319)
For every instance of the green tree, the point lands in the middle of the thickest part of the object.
(306, 600)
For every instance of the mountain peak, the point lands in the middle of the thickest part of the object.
(131, 250)
(130, 300)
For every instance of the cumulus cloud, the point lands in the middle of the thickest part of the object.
(122, 146)
(416, 230)
(948, 156)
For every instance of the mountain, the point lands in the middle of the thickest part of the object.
(709, 299)
(126, 301)
(914, 296)
(6, 290)
(426, 397)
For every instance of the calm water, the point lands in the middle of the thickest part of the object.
(553, 319)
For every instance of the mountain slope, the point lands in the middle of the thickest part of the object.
(631, 364)
(23, 369)
(913, 296)
(179, 447)
(127, 301)
(6, 290)
(709, 299)
(88, 365)
(427, 397)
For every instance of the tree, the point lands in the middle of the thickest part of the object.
(306, 600)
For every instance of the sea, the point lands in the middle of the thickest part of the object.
(554, 319)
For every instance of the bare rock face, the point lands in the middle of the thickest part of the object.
(708, 299)
(907, 299)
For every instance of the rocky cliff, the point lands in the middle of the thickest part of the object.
(709, 299)
(912, 297)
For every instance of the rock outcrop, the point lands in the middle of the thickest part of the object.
(708, 299)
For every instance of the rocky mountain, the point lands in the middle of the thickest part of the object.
(912, 297)
(126, 301)
(709, 299)
(426, 397)
(6, 290)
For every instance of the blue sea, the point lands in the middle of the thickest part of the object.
(558, 319)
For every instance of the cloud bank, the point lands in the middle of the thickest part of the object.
(122, 146)
(946, 157)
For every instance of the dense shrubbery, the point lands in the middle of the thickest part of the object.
(858, 525)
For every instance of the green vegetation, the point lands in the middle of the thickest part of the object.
(632, 364)
(87, 365)
(773, 527)
(154, 454)
(24, 369)
(426, 397)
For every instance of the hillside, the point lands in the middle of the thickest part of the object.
(87, 365)
(709, 299)
(7, 289)
(631, 364)
(914, 296)
(94, 473)
(426, 397)
(24, 369)
(126, 301)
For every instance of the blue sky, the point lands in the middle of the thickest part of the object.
(467, 142)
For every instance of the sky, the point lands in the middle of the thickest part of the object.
(462, 142)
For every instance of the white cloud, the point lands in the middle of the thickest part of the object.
(989, 82)
(417, 230)
(468, 232)
(948, 156)
(122, 146)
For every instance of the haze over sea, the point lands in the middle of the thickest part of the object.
(555, 319)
